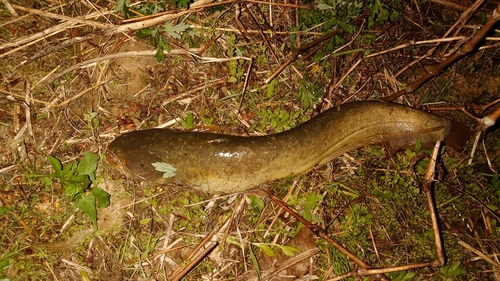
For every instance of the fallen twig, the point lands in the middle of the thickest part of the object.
(464, 15)
(321, 232)
(51, 31)
(464, 50)
(366, 269)
(62, 17)
(295, 54)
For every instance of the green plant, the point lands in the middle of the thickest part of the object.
(333, 13)
(448, 272)
(183, 3)
(188, 123)
(271, 249)
(236, 69)
(381, 12)
(494, 189)
(122, 6)
(148, 8)
(308, 202)
(5, 260)
(157, 38)
(357, 218)
(401, 275)
(91, 117)
(280, 119)
(76, 178)
(308, 93)
(257, 206)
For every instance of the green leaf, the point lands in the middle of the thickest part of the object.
(182, 3)
(122, 6)
(174, 30)
(4, 210)
(308, 94)
(452, 270)
(378, 13)
(46, 181)
(72, 189)
(289, 250)
(232, 240)
(268, 251)
(167, 169)
(492, 207)
(87, 204)
(270, 88)
(145, 221)
(4, 263)
(312, 200)
(376, 151)
(56, 164)
(322, 6)
(387, 195)
(88, 165)
(102, 197)
(307, 215)
(143, 32)
(160, 55)
(164, 45)
(318, 56)
(189, 122)
(255, 263)
(256, 202)
(418, 146)
(69, 170)
(401, 276)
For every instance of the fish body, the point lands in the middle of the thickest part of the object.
(218, 163)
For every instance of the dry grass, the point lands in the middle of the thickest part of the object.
(75, 75)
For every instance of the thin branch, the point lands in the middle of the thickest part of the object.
(113, 56)
(46, 33)
(62, 17)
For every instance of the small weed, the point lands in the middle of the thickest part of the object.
(401, 275)
(91, 117)
(157, 38)
(5, 260)
(122, 7)
(188, 123)
(76, 179)
(280, 119)
(339, 261)
(357, 218)
(308, 202)
(494, 190)
(270, 88)
(150, 8)
(256, 203)
(332, 13)
(147, 8)
(236, 67)
(308, 93)
(262, 58)
(270, 249)
(450, 271)
(183, 3)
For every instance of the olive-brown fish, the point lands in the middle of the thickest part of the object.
(218, 163)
